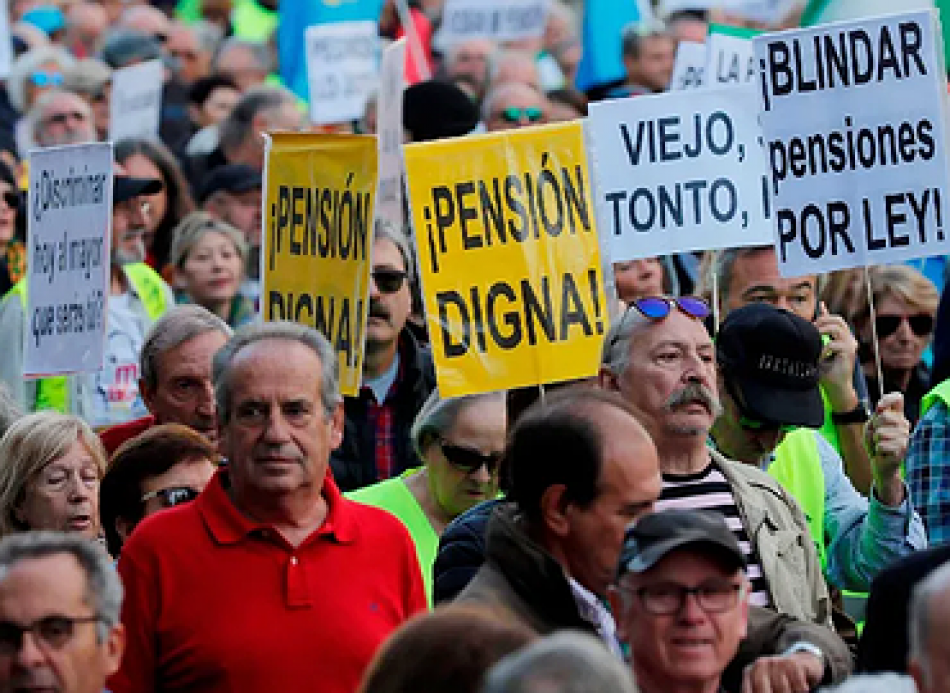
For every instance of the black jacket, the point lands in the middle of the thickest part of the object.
(461, 552)
(354, 462)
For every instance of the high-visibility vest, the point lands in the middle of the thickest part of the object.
(941, 392)
(52, 392)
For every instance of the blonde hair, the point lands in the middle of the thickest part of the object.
(902, 282)
(31, 443)
(193, 228)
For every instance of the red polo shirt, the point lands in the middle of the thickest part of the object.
(215, 601)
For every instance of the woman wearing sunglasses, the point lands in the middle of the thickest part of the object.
(905, 306)
(165, 466)
(460, 441)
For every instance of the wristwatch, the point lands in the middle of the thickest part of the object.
(810, 648)
(857, 415)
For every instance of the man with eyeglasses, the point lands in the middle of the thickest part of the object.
(61, 117)
(661, 359)
(513, 105)
(681, 599)
(768, 376)
(59, 614)
(398, 374)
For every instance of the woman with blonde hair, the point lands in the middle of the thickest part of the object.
(51, 467)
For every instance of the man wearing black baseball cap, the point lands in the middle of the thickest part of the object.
(137, 297)
(769, 382)
(681, 600)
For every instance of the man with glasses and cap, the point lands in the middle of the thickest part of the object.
(138, 297)
(661, 359)
(768, 376)
(681, 599)
(398, 375)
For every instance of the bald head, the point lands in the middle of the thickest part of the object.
(147, 20)
(514, 66)
(514, 105)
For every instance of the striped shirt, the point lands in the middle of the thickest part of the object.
(709, 490)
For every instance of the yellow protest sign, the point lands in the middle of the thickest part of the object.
(318, 235)
(509, 258)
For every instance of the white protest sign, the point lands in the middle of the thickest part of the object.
(689, 66)
(855, 137)
(389, 198)
(6, 47)
(136, 101)
(498, 20)
(678, 172)
(70, 221)
(342, 63)
(729, 60)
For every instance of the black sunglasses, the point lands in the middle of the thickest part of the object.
(388, 281)
(12, 199)
(886, 325)
(469, 460)
(170, 497)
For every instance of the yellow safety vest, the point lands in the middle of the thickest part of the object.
(797, 467)
(941, 392)
(52, 392)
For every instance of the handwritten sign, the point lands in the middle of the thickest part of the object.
(342, 61)
(136, 102)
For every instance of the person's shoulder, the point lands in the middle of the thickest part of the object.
(912, 568)
(375, 523)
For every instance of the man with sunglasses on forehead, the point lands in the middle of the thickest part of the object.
(768, 376)
(398, 375)
(61, 117)
(661, 359)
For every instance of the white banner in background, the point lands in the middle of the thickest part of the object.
(389, 194)
(498, 20)
(342, 64)
(689, 66)
(136, 102)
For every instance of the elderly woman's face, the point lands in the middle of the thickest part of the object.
(903, 333)
(478, 432)
(212, 270)
(64, 495)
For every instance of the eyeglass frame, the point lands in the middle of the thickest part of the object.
(736, 592)
(392, 272)
(171, 489)
(33, 629)
(490, 462)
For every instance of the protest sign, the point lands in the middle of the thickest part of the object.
(342, 62)
(729, 57)
(689, 66)
(498, 20)
(136, 101)
(389, 198)
(679, 172)
(70, 219)
(509, 258)
(855, 138)
(318, 233)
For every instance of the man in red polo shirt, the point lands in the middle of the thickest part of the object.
(270, 580)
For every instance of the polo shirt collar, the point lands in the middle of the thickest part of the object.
(228, 525)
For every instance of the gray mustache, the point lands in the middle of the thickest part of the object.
(694, 392)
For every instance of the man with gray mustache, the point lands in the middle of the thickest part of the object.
(661, 359)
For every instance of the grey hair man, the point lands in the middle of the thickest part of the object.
(246, 62)
(175, 374)
(61, 117)
(60, 599)
(275, 517)
(929, 656)
(566, 662)
(648, 52)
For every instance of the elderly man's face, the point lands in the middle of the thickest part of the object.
(670, 379)
(67, 119)
(192, 63)
(278, 437)
(690, 647)
(517, 107)
(388, 310)
(755, 279)
(69, 659)
(653, 66)
(470, 63)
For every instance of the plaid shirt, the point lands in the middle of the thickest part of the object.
(928, 471)
(380, 419)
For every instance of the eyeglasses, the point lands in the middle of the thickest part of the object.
(513, 114)
(388, 281)
(63, 118)
(658, 307)
(53, 631)
(41, 78)
(667, 598)
(11, 199)
(170, 497)
(921, 325)
(469, 460)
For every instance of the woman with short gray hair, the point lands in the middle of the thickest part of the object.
(460, 441)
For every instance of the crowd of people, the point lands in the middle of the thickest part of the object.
(740, 499)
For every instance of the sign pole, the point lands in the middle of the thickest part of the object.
(877, 348)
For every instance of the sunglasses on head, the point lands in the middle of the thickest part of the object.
(513, 114)
(170, 497)
(658, 307)
(41, 78)
(469, 460)
(388, 281)
(921, 325)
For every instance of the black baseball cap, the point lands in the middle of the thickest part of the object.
(127, 187)
(653, 537)
(232, 178)
(769, 359)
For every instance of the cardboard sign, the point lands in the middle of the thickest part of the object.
(389, 197)
(854, 125)
(70, 222)
(136, 102)
(509, 258)
(679, 172)
(342, 61)
(729, 57)
(689, 66)
(498, 20)
(318, 233)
